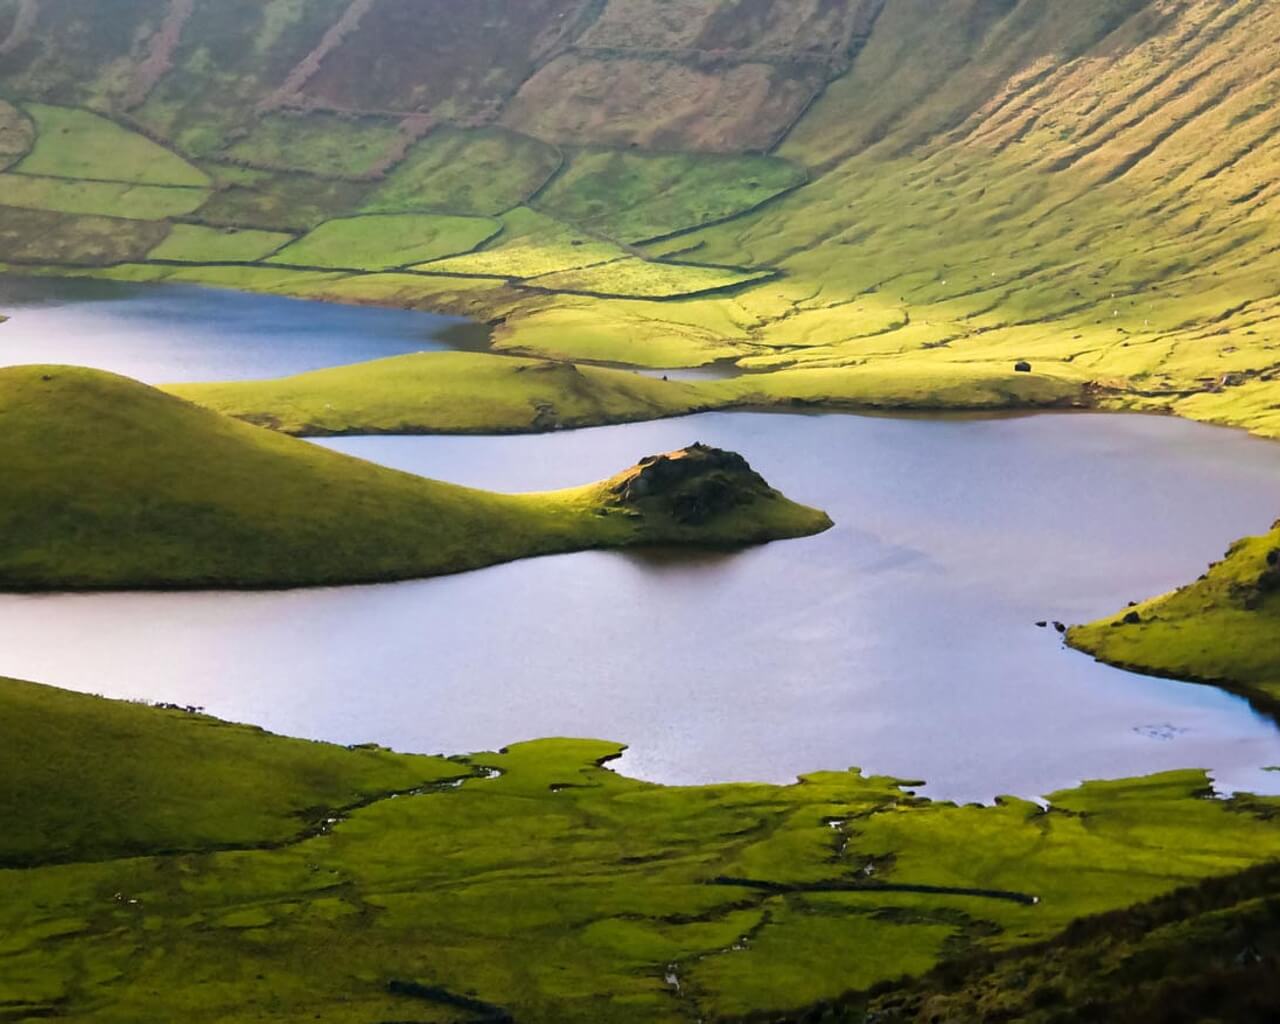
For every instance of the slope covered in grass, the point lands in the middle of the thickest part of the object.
(193, 243)
(78, 144)
(1220, 629)
(636, 196)
(482, 173)
(318, 144)
(622, 901)
(109, 483)
(385, 241)
(531, 244)
(88, 779)
(106, 198)
(448, 393)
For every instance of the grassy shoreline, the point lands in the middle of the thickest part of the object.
(1218, 630)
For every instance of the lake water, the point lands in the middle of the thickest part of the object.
(166, 334)
(904, 640)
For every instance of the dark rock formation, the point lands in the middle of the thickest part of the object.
(692, 485)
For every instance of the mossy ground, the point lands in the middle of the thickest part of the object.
(110, 483)
(559, 891)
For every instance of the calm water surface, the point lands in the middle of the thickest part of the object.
(166, 334)
(902, 641)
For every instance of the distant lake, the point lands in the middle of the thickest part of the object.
(173, 333)
(903, 641)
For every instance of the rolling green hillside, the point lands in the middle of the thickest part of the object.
(554, 890)
(109, 483)
(87, 779)
(926, 188)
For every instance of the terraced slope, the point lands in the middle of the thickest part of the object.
(949, 188)
(622, 901)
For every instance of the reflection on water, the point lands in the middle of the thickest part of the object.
(173, 333)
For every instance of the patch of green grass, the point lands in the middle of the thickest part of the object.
(632, 277)
(622, 901)
(1220, 629)
(74, 143)
(634, 196)
(480, 172)
(318, 143)
(113, 484)
(531, 244)
(192, 243)
(106, 198)
(387, 241)
(89, 779)
(448, 393)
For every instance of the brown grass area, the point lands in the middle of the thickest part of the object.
(417, 56)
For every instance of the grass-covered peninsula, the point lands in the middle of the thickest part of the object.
(481, 393)
(109, 484)
(1220, 629)
(543, 888)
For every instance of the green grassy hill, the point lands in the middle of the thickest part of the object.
(109, 483)
(448, 393)
(1220, 629)
(87, 779)
(553, 890)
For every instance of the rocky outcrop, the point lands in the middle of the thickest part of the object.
(692, 486)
